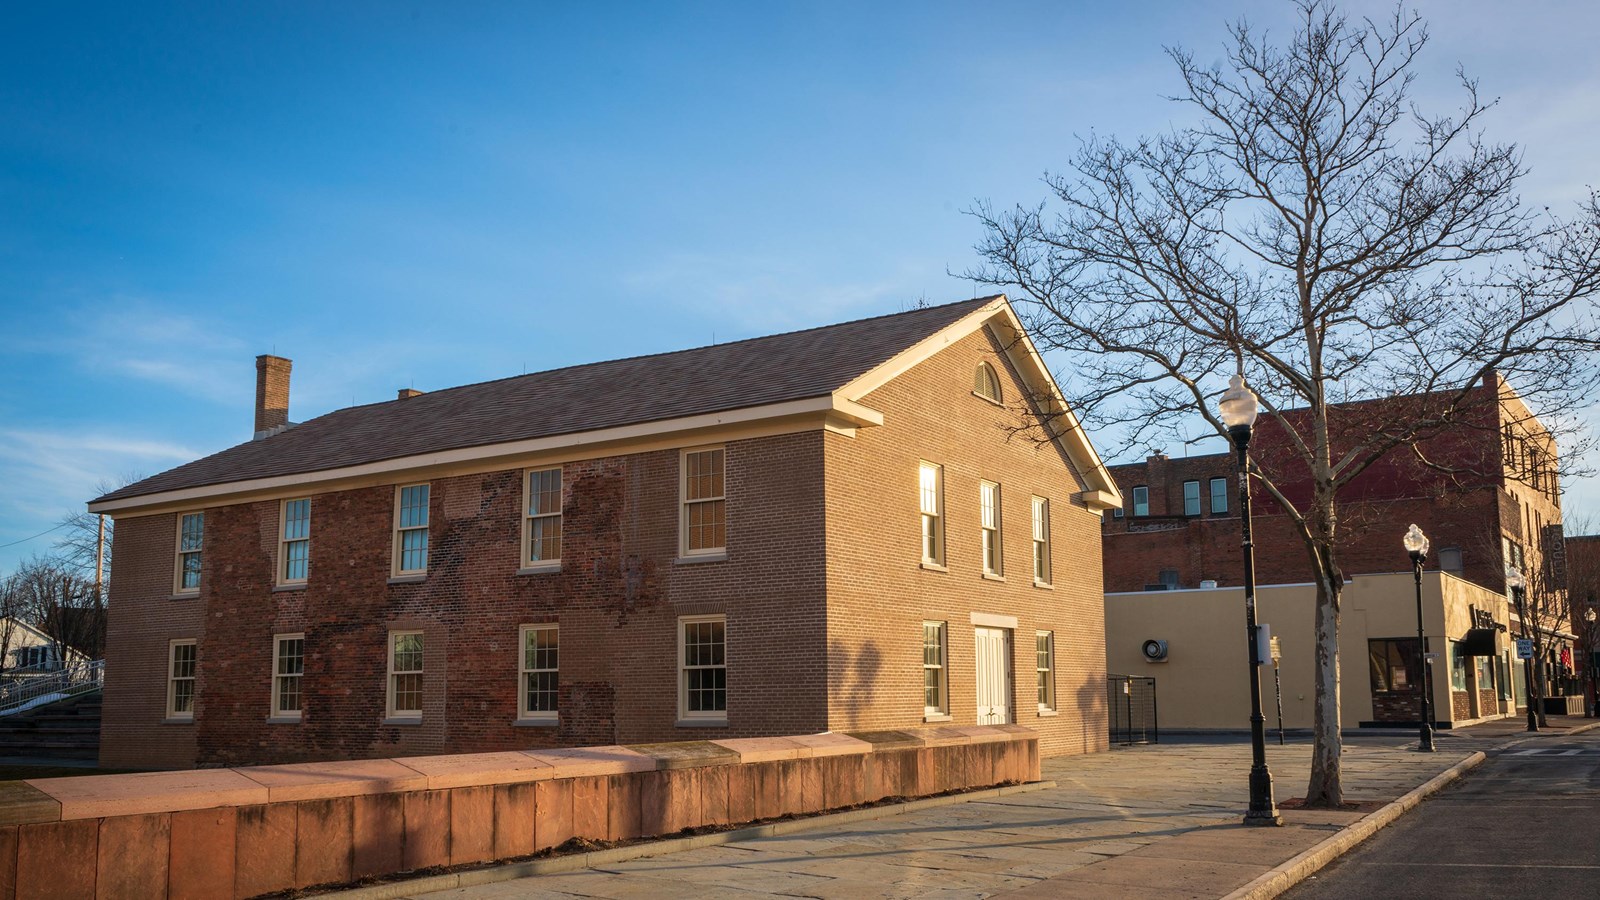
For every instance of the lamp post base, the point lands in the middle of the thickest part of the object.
(1263, 809)
(1268, 818)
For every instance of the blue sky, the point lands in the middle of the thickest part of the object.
(421, 195)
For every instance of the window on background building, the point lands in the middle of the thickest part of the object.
(1169, 579)
(1450, 559)
(1219, 496)
(405, 675)
(1458, 667)
(191, 537)
(541, 530)
(1191, 498)
(703, 662)
(985, 383)
(1041, 540)
(1045, 656)
(933, 676)
(931, 499)
(288, 664)
(541, 681)
(181, 664)
(294, 546)
(1118, 513)
(1392, 663)
(1485, 672)
(704, 525)
(411, 529)
(1141, 500)
(989, 524)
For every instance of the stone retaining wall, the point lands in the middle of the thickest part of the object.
(243, 832)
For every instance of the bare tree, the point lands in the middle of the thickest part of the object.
(63, 605)
(85, 542)
(1314, 231)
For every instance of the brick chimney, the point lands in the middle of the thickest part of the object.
(408, 392)
(272, 392)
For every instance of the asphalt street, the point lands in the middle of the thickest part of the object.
(1525, 823)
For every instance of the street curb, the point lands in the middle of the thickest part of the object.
(395, 890)
(1309, 862)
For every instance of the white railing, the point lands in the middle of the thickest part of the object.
(22, 689)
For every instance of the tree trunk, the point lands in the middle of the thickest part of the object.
(1326, 786)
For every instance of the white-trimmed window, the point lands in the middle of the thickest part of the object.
(294, 541)
(989, 523)
(541, 524)
(1219, 496)
(288, 664)
(182, 659)
(985, 383)
(540, 685)
(405, 675)
(931, 497)
(1045, 654)
(1191, 498)
(935, 700)
(703, 667)
(191, 538)
(1041, 540)
(411, 529)
(704, 524)
(1141, 500)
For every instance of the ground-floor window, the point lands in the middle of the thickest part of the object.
(405, 675)
(288, 664)
(933, 674)
(703, 667)
(541, 678)
(1458, 667)
(182, 662)
(1393, 664)
(1045, 654)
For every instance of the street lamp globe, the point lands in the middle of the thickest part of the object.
(1416, 542)
(1589, 615)
(1514, 579)
(1239, 405)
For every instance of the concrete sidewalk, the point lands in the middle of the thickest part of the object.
(1156, 818)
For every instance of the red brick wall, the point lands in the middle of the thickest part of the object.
(879, 594)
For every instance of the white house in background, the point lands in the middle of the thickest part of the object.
(26, 647)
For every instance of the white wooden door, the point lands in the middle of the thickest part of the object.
(994, 676)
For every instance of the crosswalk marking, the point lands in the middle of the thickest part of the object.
(1551, 752)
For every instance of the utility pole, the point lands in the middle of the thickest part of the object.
(100, 557)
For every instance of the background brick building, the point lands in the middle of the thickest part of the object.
(813, 587)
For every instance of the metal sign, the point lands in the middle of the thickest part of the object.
(1524, 648)
(1277, 652)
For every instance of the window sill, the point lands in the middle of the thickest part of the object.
(536, 723)
(403, 720)
(702, 723)
(990, 400)
(1047, 713)
(178, 720)
(283, 720)
(542, 568)
(1044, 585)
(933, 567)
(186, 595)
(297, 586)
(701, 558)
(936, 718)
(417, 578)
(990, 576)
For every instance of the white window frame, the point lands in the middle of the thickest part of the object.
(284, 541)
(1137, 490)
(524, 714)
(986, 376)
(684, 502)
(684, 713)
(1046, 673)
(398, 567)
(930, 504)
(942, 711)
(278, 677)
(1199, 506)
(183, 555)
(990, 522)
(1215, 496)
(173, 678)
(1041, 540)
(529, 517)
(408, 715)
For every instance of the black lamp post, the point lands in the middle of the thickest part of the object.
(1518, 586)
(1417, 545)
(1588, 663)
(1239, 409)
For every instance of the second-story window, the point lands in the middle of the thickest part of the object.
(1141, 500)
(542, 527)
(931, 498)
(1041, 540)
(704, 522)
(191, 535)
(1191, 498)
(294, 547)
(411, 530)
(989, 523)
(1219, 496)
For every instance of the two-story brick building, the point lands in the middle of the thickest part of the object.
(831, 529)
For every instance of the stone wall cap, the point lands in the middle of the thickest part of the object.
(831, 744)
(688, 754)
(347, 778)
(983, 734)
(577, 762)
(22, 804)
(891, 740)
(762, 749)
(945, 736)
(473, 769)
(96, 796)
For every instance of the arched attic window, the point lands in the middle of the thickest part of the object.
(985, 383)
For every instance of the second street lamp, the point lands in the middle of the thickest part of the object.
(1239, 410)
(1417, 545)
(1518, 586)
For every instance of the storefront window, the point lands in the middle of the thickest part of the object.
(1393, 663)
(1458, 667)
(1485, 672)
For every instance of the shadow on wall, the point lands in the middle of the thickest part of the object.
(1093, 715)
(858, 673)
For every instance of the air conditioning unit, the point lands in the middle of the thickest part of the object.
(1155, 650)
(1208, 585)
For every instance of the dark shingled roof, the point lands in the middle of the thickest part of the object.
(754, 372)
